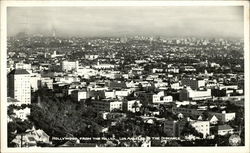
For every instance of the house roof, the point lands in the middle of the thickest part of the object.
(211, 116)
(19, 71)
(224, 127)
(114, 84)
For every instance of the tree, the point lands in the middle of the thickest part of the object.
(60, 116)
(17, 127)
(135, 106)
(205, 115)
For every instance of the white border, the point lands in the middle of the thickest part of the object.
(5, 4)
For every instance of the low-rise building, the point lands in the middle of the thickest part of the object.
(31, 138)
(45, 82)
(224, 116)
(213, 119)
(79, 95)
(70, 66)
(107, 105)
(187, 111)
(189, 94)
(225, 129)
(67, 79)
(161, 98)
(202, 127)
(132, 105)
(193, 83)
(172, 69)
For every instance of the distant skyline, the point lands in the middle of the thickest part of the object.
(165, 21)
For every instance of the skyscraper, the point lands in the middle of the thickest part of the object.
(19, 85)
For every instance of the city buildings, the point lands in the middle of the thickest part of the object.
(139, 87)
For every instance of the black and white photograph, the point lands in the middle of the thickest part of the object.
(125, 76)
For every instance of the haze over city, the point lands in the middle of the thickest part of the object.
(204, 21)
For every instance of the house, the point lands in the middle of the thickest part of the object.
(224, 116)
(225, 129)
(176, 85)
(213, 119)
(31, 138)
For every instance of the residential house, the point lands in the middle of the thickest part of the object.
(225, 129)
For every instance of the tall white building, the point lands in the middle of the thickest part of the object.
(19, 85)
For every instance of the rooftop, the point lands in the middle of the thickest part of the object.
(19, 71)
(224, 127)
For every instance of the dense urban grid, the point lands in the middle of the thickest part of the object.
(138, 91)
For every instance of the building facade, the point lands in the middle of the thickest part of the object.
(19, 85)
(70, 66)
(193, 83)
(107, 105)
(132, 105)
(161, 98)
(190, 94)
(202, 127)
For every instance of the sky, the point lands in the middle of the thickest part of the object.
(167, 21)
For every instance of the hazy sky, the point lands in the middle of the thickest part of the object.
(221, 21)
